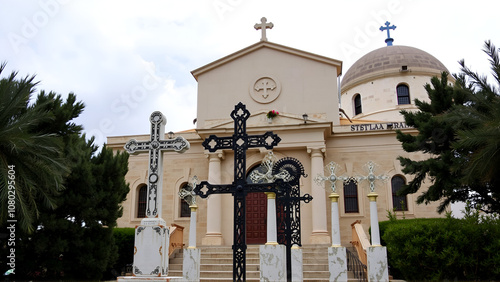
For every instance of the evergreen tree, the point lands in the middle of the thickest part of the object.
(458, 130)
(70, 235)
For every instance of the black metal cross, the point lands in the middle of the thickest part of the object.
(288, 201)
(239, 143)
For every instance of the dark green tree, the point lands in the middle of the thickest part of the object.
(458, 129)
(73, 235)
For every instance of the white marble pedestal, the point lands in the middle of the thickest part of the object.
(377, 264)
(152, 239)
(272, 263)
(297, 264)
(191, 264)
(337, 263)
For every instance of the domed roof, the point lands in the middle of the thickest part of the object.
(390, 60)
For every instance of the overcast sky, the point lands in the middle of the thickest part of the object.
(126, 59)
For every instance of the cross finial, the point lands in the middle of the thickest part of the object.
(263, 26)
(389, 40)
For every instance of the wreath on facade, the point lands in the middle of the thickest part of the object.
(272, 114)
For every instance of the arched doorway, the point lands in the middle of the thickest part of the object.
(256, 214)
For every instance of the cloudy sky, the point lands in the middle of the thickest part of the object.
(126, 59)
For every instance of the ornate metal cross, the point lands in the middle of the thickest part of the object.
(371, 177)
(239, 143)
(389, 40)
(156, 146)
(331, 169)
(285, 173)
(263, 26)
(187, 193)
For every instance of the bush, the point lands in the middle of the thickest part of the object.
(124, 240)
(444, 248)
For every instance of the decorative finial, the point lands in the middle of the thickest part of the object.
(389, 40)
(263, 26)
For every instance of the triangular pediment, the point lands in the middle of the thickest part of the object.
(273, 46)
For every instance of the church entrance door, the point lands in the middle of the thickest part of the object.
(256, 216)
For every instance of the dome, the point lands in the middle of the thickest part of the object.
(391, 60)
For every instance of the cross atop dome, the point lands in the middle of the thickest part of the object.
(389, 40)
(263, 26)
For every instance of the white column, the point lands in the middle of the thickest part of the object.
(376, 254)
(192, 227)
(272, 236)
(214, 202)
(335, 219)
(319, 227)
(375, 233)
(337, 256)
(191, 255)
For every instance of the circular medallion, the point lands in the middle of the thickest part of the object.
(156, 117)
(153, 178)
(265, 89)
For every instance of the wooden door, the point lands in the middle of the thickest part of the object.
(256, 217)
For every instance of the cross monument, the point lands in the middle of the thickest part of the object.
(152, 236)
(240, 142)
(263, 26)
(389, 40)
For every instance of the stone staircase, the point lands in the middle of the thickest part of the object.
(217, 263)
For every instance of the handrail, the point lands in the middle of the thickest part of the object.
(176, 238)
(356, 266)
(360, 241)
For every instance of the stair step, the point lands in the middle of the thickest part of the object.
(217, 263)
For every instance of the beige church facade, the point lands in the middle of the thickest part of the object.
(316, 124)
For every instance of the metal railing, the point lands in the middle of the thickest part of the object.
(356, 266)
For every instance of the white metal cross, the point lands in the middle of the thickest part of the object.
(331, 169)
(263, 26)
(371, 177)
(267, 175)
(155, 146)
(187, 193)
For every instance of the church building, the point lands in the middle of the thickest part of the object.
(317, 124)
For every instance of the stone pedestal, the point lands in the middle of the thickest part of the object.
(337, 263)
(152, 239)
(297, 264)
(191, 264)
(272, 263)
(377, 264)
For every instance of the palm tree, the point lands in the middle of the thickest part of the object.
(31, 165)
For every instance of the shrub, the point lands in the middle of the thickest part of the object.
(444, 248)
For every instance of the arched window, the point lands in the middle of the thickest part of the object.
(185, 209)
(399, 203)
(351, 197)
(357, 104)
(403, 94)
(142, 200)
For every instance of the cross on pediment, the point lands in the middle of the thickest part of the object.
(263, 26)
(155, 146)
(389, 40)
(265, 84)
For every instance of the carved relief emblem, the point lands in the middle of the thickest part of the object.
(265, 89)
